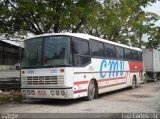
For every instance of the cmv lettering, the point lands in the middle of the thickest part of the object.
(116, 68)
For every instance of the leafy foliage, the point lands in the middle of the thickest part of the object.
(42, 16)
(154, 38)
(122, 21)
(125, 22)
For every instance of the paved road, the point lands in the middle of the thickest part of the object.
(144, 99)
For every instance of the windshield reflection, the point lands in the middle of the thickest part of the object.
(47, 51)
(56, 51)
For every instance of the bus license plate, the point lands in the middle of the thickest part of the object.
(41, 92)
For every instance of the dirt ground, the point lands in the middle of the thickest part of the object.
(143, 99)
(12, 96)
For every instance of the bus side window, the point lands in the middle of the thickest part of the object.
(119, 52)
(127, 53)
(80, 52)
(134, 55)
(97, 49)
(110, 51)
(139, 56)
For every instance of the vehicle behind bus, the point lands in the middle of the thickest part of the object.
(151, 59)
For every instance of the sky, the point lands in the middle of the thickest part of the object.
(155, 8)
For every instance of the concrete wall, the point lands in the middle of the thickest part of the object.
(7, 67)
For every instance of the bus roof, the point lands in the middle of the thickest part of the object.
(87, 37)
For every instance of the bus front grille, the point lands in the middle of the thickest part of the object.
(43, 80)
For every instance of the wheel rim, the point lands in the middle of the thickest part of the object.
(91, 90)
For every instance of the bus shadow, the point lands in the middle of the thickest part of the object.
(56, 102)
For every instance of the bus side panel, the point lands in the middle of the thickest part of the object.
(82, 77)
(69, 77)
(109, 74)
(114, 74)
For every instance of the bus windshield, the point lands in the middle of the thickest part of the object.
(47, 51)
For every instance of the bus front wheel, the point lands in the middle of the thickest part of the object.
(91, 91)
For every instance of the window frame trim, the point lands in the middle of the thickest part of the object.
(73, 59)
(97, 57)
(114, 50)
(130, 54)
(123, 53)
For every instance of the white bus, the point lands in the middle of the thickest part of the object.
(74, 65)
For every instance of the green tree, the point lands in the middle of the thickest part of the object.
(153, 40)
(45, 16)
(124, 21)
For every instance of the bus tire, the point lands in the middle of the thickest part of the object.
(91, 91)
(96, 89)
(134, 82)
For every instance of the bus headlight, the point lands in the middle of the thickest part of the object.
(57, 92)
(28, 92)
(32, 92)
(52, 92)
(63, 93)
(23, 92)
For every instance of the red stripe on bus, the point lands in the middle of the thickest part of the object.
(107, 79)
(85, 90)
(80, 91)
(111, 85)
(99, 80)
(136, 66)
(80, 82)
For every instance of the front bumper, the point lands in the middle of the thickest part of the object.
(48, 93)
